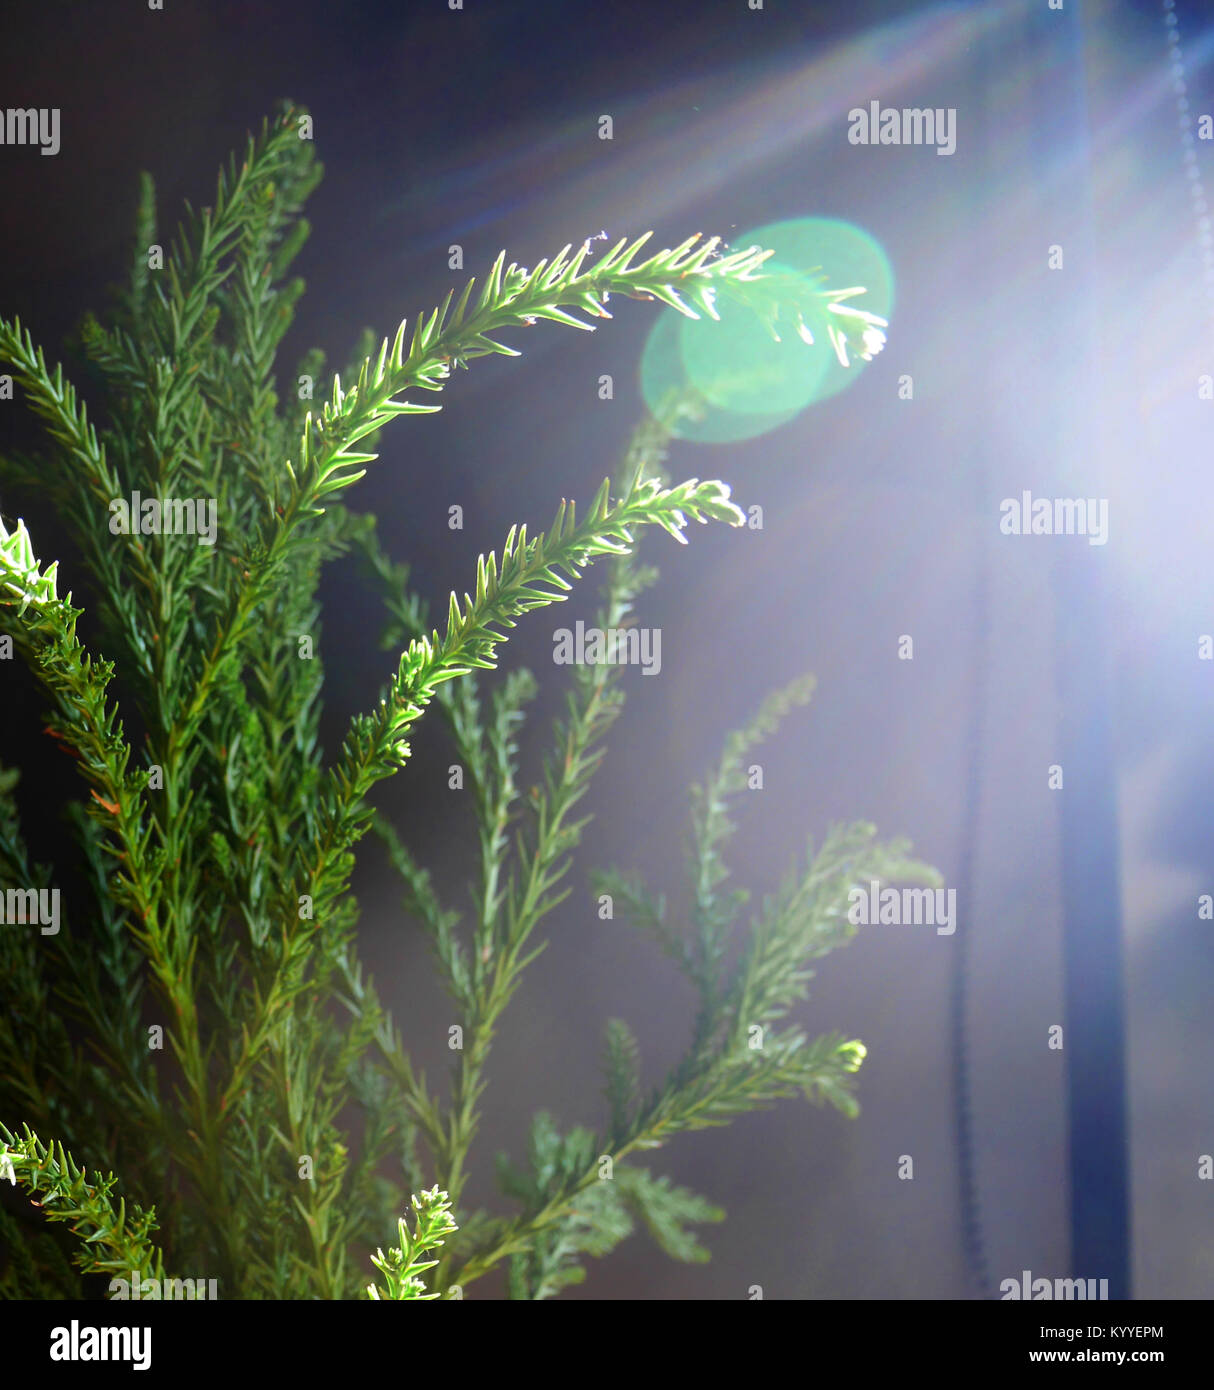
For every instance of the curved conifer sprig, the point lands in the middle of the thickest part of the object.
(533, 572)
(115, 1240)
(683, 276)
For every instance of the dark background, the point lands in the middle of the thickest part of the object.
(479, 128)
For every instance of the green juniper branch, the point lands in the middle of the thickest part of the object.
(114, 1241)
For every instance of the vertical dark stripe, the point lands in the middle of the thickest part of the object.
(1091, 893)
(977, 194)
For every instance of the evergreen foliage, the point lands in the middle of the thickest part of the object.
(281, 1133)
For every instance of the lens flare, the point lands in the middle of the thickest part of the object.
(754, 371)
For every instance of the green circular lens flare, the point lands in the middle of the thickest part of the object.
(663, 377)
(749, 380)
